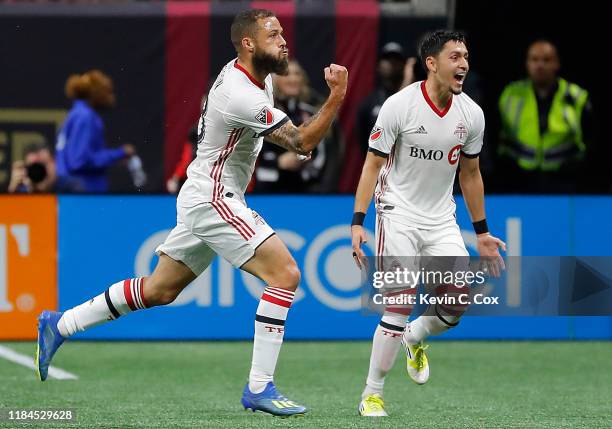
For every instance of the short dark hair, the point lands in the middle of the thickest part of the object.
(545, 41)
(432, 43)
(34, 148)
(245, 24)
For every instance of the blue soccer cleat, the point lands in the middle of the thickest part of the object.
(49, 340)
(271, 402)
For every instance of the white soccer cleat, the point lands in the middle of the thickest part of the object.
(372, 406)
(417, 364)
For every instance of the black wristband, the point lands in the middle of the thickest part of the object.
(358, 218)
(481, 227)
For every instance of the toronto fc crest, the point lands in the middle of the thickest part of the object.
(461, 132)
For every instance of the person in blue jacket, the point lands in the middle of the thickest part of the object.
(81, 152)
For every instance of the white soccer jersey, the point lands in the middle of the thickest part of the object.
(239, 112)
(423, 146)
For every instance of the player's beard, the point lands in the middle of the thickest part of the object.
(266, 64)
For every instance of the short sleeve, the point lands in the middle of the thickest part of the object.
(254, 110)
(473, 144)
(385, 131)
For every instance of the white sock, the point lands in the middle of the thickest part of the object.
(426, 325)
(386, 344)
(269, 331)
(119, 299)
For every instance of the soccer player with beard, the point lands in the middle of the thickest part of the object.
(213, 217)
(422, 134)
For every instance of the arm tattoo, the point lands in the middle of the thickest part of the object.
(288, 137)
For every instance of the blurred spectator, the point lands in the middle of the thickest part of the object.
(81, 153)
(179, 175)
(281, 171)
(546, 127)
(394, 73)
(35, 173)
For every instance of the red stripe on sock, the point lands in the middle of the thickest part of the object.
(127, 292)
(134, 290)
(280, 291)
(275, 300)
(142, 298)
(137, 282)
(275, 295)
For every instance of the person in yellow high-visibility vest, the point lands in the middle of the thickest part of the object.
(543, 124)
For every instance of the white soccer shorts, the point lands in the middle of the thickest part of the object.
(436, 250)
(225, 227)
(413, 246)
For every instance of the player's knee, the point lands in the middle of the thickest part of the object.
(162, 298)
(167, 297)
(158, 293)
(290, 277)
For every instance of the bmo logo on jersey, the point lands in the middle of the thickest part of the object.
(428, 154)
(435, 155)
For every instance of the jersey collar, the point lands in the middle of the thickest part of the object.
(251, 78)
(440, 113)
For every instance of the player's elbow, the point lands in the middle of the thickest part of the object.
(373, 163)
(468, 174)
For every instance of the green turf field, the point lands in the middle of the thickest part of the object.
(197, 385)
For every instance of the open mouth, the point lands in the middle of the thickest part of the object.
(460, 77)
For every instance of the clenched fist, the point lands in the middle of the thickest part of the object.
(337, 79)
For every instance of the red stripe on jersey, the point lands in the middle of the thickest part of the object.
(226, 217)
(219, 161)
(275, 300)
(237, 218)
(216, 173)
(230, 150)
(385, 174)
(127, 292)
(378, 246)
(382, 247)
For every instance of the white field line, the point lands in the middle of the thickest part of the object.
(28, 362)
